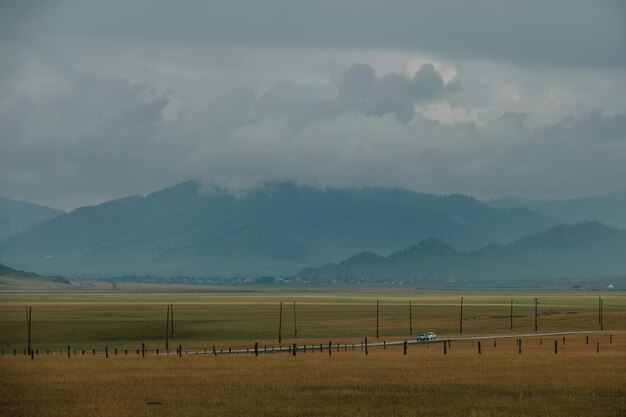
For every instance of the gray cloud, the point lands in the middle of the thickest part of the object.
(392, 93)
(563, 32)
(84, 138)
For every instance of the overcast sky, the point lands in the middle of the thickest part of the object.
(103, 99)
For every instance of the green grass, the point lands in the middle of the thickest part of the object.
(234, 318)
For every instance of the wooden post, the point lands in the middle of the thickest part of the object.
(214, 351)
(330, 350)
(280, 323)
(511, 314)
(556, 347)
(180, 351)
(519, 347)
(143, 350)
(384, 345)
(563, 340)
(587, 339)
(610, 339)
(167, 328)
(461, 321)
(295, 348)
(479, 352)
(321, 348)
(256, 349)
(377, 330)
(295, 326)
(445, 349)
(494, 342)
(366, 346)
(597, 347)
(106, 351)
(404, 347)
(410, 318)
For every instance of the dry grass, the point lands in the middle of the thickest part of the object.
(500, 382)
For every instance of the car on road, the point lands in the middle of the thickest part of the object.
(426, 337)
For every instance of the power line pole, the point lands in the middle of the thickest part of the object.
(461, 321)
(280, 323)
(377, 331)
(410, 319)
(536, 302)
(172, 320)
(167, 329)
(295, 327)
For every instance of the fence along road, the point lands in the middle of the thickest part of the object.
(312, 347)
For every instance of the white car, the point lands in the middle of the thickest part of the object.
(426, 337)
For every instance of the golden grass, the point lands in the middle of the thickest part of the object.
(499, 382)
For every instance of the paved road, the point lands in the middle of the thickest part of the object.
(412, 341)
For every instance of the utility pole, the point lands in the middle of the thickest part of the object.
(167, 329)
(377, 331)
(461, 321)
(410, 319)
(29, 317)
(295, 326)
(172, 319)
(536, 302)
(601, 314)
(280, 323)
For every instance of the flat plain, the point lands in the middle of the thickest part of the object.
(579, 380)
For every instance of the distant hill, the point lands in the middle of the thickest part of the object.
(275, 229)
(14, 280)
(608, 210)
(18, 216)
(581, 251)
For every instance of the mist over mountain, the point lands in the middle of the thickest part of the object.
(585, 250)
(608, 210)
(274, 229)
(18, 216)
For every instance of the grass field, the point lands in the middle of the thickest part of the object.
(500, 381)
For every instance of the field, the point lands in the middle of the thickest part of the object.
(500, 381)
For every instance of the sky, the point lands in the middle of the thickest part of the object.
(100, 100)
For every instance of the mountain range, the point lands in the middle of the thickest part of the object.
(608, 210)
(19, 216)
(274, 229)
(279, 229)
(580, 251)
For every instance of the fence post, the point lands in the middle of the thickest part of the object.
(479, 352)
(405, 347)
(180, 351)
(610, 339)
(143, 350)
(587, 339)
(68, 352)
(445, 349)
(106, 351)
(520, 346)
(366, 346)
(330, 350)
(598, 347)
(556, 347)
(295, 348)
(214, 351)
(256, 349)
